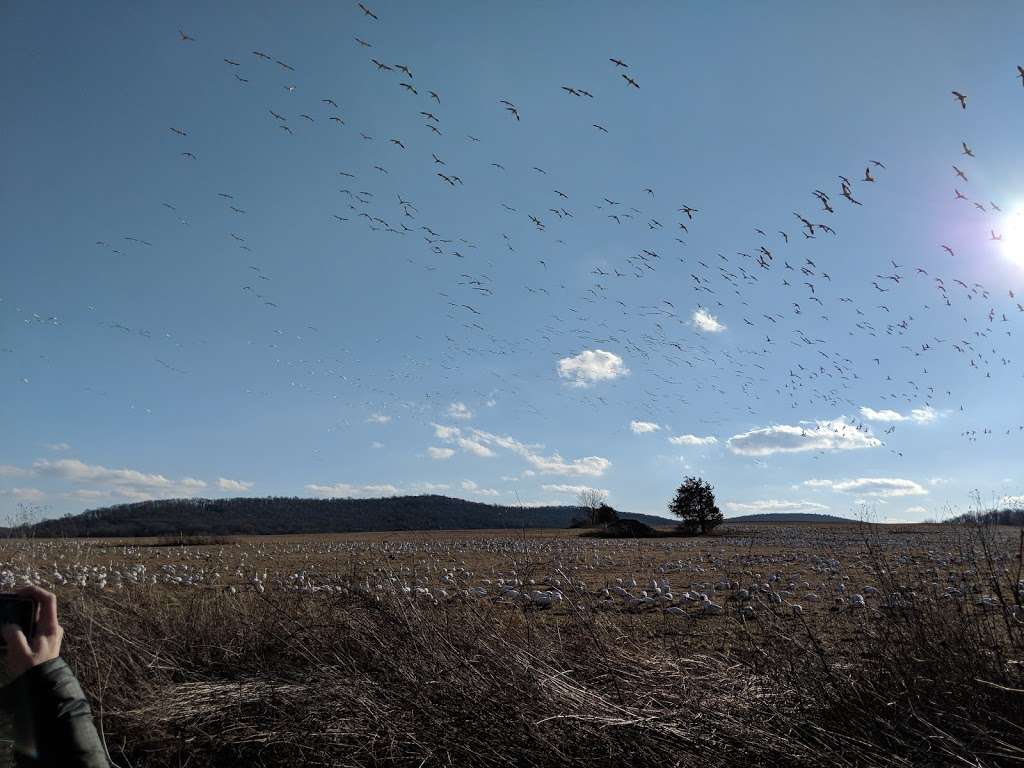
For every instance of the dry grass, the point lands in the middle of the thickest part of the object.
(360, 677)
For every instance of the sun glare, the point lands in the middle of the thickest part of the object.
(1013, 235)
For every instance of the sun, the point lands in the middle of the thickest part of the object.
(1013, 235)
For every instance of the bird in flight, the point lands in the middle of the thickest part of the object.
(961, 98)
(967, 150)
(434, 96)
(329, 101)
(189, 39)
(398, 143)
(404, 69)
(618, 62)
(289, 67)
(232, 62)
(688, 211)
(867, 174)
(381, 66)
(1020, 73)
(601, 128)
(179, 131)
(630, 80)
(363, 43)
(367, 11)
(262, 55)
(960, 173)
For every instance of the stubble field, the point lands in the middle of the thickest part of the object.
(780, 644)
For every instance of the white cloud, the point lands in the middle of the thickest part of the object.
(693, 440)
(57, 446)
(774, 505)
(872, 486)
(129, 483)
(835, 435)
(226, 484)
(376, 444)
(483, 444)
(431, 487)
(345, 490)
(88, 494)
(575, 490)
(472, 487)
(459, 411)
(885, 415)
(378, 418)
(593, 466)
(642, 427)
(591, 365)
(442, 432)
(6, 470)
(924, 415)
(23, 494)
(474, 447)
(916, 511)
(454, 435)
(939, 480)
(705, 321)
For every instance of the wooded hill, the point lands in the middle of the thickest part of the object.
(279, 515)
(788, 517)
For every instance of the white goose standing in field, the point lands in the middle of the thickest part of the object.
(710, 608)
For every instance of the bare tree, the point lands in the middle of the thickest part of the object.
(591, 499)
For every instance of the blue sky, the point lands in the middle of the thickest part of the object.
(158, 338)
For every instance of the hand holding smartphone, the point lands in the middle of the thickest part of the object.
(29, 628)
(17, 610)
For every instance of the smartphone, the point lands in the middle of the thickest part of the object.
(18, 610)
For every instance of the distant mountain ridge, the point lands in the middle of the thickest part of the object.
(789, 517)
(282, 515)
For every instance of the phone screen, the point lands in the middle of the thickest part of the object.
(17, 610)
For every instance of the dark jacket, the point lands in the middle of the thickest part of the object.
(52, 720)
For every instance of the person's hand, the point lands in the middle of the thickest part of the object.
(22, 653)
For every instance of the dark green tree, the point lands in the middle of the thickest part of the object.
(605, 514)
(694, 504)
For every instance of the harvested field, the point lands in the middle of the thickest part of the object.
(539, 647)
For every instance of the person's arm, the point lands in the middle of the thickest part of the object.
(51, 716)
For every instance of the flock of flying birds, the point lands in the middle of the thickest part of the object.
(784, 258)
